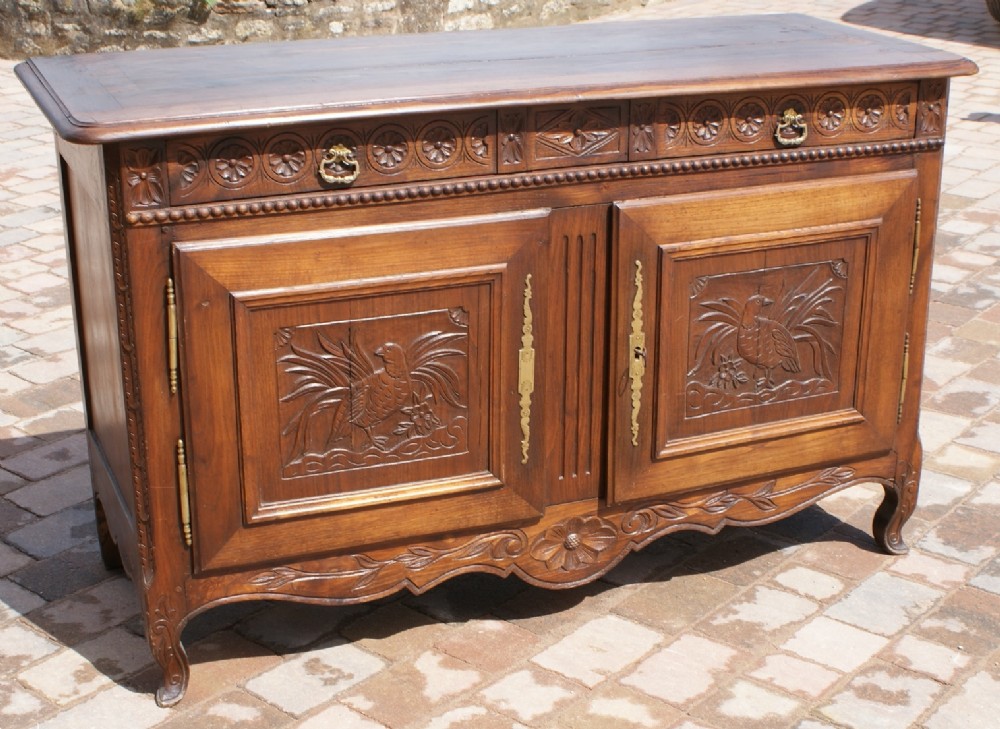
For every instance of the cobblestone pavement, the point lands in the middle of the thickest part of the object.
(799, 624)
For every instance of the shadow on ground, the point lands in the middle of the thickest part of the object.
(964, 21)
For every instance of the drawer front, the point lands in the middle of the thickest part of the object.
(388, 151)
(685, 126)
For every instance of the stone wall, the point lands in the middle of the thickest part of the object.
(45, 27)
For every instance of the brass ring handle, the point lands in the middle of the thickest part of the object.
(339, 166)
(792, 130)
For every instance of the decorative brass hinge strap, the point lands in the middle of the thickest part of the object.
(902, 384)
(916, 246)
(182, 487)
(526, 370)
(172, 359)
(637, 353)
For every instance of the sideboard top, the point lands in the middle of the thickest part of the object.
(105, 97)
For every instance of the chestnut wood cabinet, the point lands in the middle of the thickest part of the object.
(358, 316)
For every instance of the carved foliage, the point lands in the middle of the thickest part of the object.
(582, 131)
(568, 549)
(764, 336)
(353, 395)
(931, 108)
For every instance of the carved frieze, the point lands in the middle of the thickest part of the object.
(261, 164)
(692, 126)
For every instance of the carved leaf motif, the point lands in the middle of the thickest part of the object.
(762, 497)
(643, 131)
(512, 138)
(500, 547)
(144, 178)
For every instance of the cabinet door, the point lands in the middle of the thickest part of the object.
(350, 387)
(758, 330)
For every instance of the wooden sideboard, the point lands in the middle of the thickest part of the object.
(360, 315)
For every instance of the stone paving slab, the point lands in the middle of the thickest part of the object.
(801, 624)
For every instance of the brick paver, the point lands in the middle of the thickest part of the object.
(800, 624)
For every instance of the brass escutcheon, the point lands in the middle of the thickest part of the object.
(344, 165)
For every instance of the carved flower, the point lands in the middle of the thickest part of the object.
(749, 119)
(143, 177)
(901, 111)
(671, 125)
(575, 543)
(831, 114)
(234, 163)
(190, 168)
(729, 375)
(708, 123)
(439, 145)
(870, 111)
(421, 420)
(389, 149)
(287, 158)
(478, 142)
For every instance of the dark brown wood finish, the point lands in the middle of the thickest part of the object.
(588, 286)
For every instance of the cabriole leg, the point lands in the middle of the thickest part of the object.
(897, 506)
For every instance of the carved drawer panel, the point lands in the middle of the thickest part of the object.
(548, 137)
(684, 126)
(269, 163)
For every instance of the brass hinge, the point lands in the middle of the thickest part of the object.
(916, 246)
(902, 383)
(172, 359)
(182, 487)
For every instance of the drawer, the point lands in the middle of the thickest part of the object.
(269, 163)
(688, 126)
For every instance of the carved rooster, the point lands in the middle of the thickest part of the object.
(765, 343)
(365, 393)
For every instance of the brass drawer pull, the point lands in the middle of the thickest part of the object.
(339, 166)
(792, 130)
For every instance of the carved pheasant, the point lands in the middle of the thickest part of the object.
(364, 392)
(765, 343)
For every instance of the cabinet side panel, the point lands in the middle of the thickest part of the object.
(89, 253)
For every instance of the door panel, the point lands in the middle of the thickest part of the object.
(374, 373)
(766, 322)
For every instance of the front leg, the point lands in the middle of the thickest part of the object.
(164, 634)
(898, 504)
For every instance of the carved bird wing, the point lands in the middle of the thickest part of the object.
(784, 346)
(426, 357)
